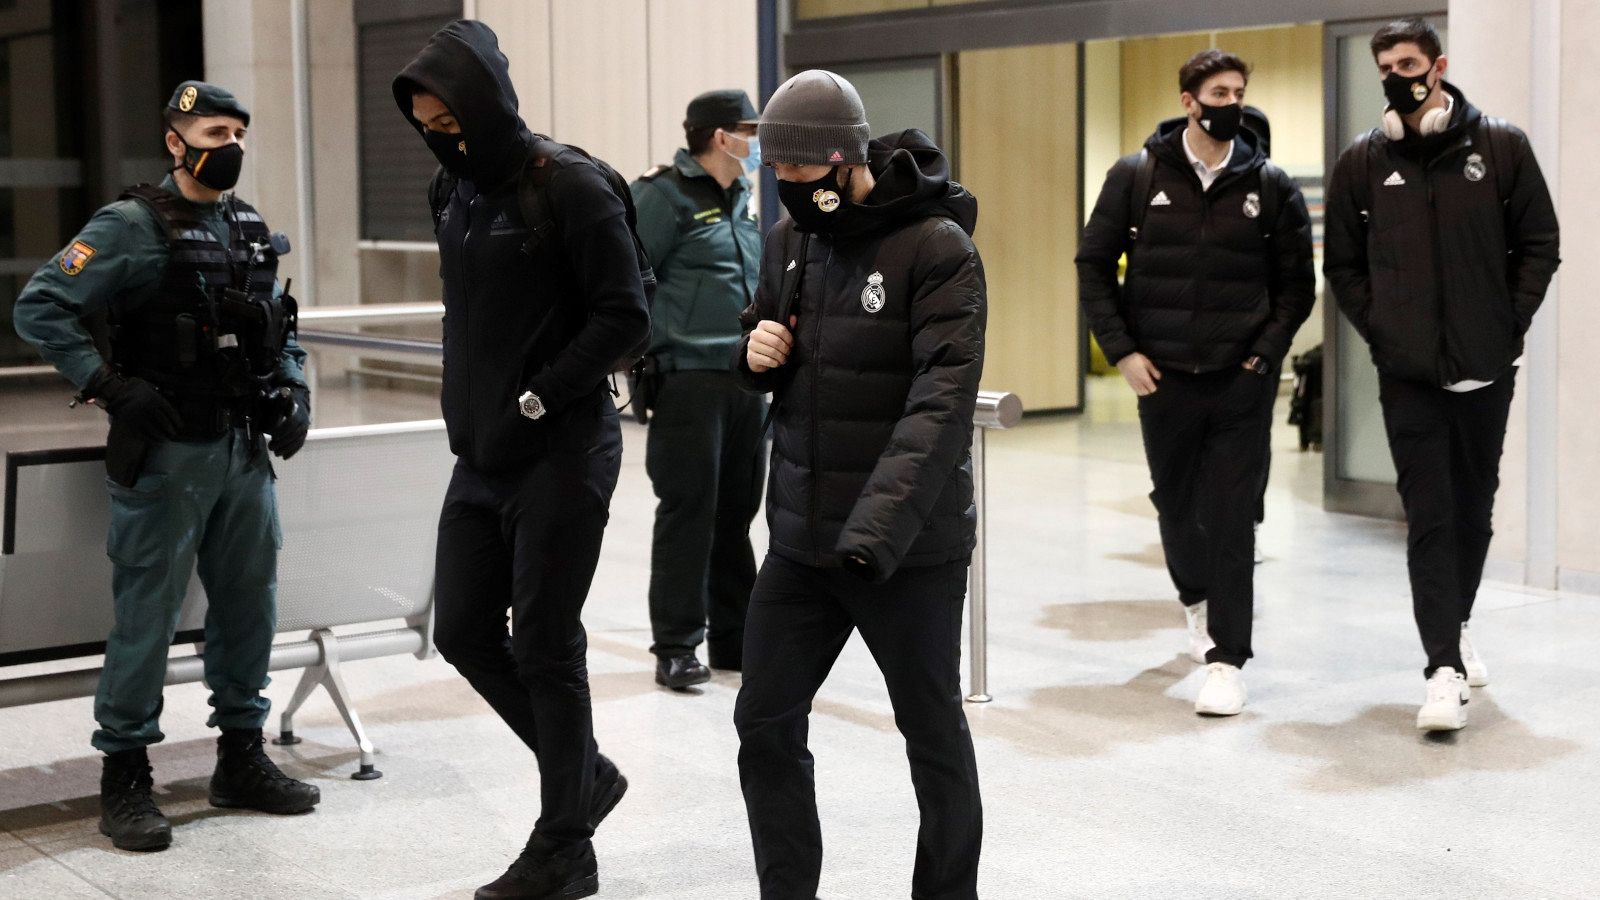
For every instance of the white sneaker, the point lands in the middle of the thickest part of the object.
(1477, 671)
(1446, 706)
(1199, 632)
(1223, 692)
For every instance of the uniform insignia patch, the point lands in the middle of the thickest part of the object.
(190, 95)
(74, 258)
(1475, 169)
(872, 296)
(1252, 205)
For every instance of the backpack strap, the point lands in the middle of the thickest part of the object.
(1267, 220)
(1144, 179)
(1363, 160)
(1497, 137)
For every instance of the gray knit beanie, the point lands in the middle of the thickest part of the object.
(815, 118)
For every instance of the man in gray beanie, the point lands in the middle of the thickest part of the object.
(867, 327)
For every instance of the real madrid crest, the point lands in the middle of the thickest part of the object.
(872, 296)
(1252, 205)
(1475, 169)
(1419, 91)
(190, 95)
(826, 200)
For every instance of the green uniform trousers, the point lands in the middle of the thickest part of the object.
(208, 500)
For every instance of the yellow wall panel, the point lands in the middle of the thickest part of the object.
(1027, 216)
(1150, 82)
(1287, 86)
(823, 9)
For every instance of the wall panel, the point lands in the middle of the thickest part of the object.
(600, 74)
(695, 46)
(1027, 219)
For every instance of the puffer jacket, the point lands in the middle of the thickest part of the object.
(1205, 289)
(1442, 257)
(872, 422)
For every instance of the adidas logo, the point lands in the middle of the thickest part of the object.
(790, 267)
(1394, 180)
(1160, 199)
(836, 157)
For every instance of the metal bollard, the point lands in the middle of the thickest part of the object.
(998, 410)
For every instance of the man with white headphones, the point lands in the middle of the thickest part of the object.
(1441, 241)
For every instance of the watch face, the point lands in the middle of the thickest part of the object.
(532, 407)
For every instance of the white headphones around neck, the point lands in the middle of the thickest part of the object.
(1433, 121)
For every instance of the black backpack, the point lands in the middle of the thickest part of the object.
(533, 197)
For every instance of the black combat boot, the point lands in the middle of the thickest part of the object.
(545, 870)
(681, 672)
(128, 815)
(609, 786)
(248, 779)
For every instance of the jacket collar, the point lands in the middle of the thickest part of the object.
(689, 167)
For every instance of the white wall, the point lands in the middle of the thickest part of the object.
(1530, 61)
(615, 77)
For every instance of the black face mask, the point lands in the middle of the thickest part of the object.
(215, 167)
(1406, 95)
(815, 206)
(1222, 122)
(450, 149)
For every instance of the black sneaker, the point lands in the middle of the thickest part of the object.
(609, 786)
(679, 672)
(545, 870)
(247, 778)
(128, 814)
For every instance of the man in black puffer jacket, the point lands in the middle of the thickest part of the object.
(532, 329)
(1441, 243)
(868, 328)
(1219, 279)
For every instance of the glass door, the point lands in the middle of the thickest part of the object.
(1358, 473)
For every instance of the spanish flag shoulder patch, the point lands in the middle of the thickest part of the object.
(75, 257)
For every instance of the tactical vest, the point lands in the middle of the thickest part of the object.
(213, 335)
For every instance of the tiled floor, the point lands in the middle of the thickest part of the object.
(1099, 781)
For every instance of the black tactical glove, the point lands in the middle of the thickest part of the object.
(292, 403)
(134, 405)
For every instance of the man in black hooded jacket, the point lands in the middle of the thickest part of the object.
(1220, 277)
(531, 332)
(868, 326)
(1441, 243)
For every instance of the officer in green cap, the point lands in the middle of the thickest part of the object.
(698, 224)
(204, 376)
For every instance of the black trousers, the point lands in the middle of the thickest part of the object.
(1206, 438)
(1446, 448)
(705, 461)
(800, 618)
(528, 541)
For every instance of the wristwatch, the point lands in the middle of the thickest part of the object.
(530, 405)
(1257, 364)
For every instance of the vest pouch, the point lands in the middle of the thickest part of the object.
(186, 340)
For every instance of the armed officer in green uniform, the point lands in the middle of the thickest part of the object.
(698, 224)
(203, 368)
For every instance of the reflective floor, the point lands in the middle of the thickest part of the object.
(1099, 780)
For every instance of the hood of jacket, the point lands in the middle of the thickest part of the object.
(913, 182)
(1167, 144)
(462, 65)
